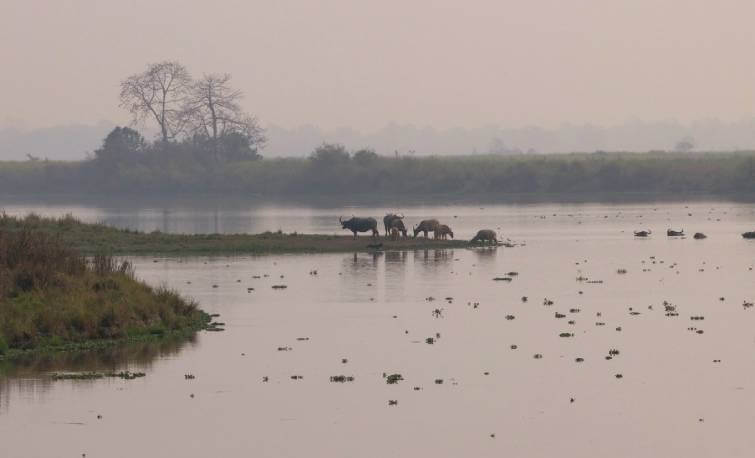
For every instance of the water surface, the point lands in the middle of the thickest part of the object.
(377, 311)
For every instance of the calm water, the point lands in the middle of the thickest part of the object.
(673, 398)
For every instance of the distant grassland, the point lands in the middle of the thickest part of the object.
(712, 173)
(98, 238)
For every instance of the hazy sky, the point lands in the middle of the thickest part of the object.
(366, 63)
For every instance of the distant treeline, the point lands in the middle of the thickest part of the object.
(128, 164)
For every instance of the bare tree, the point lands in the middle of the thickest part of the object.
(214, 112)
(160, 92)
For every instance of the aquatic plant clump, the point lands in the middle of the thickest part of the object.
(52, 297)
(125, 375)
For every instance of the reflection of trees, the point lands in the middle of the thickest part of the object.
(29, 373)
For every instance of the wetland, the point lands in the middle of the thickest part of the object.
(597, 342)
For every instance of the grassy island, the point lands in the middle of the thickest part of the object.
(99, 238)
(54, 298)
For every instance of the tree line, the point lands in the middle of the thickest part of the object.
(333, 170)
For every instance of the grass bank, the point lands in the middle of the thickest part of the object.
(99, 238)
(53, 298)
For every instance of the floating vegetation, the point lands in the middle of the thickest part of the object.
(341, 378)
(280, 286)
(566, 334)
(502, 279)
(510, 317)
(393, 378)
(621, 271)
(125, 375)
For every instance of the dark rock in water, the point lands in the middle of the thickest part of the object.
(699, 236)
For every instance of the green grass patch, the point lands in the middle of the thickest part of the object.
(54, 298)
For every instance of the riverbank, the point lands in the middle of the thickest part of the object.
(54, 299)
(99, 238)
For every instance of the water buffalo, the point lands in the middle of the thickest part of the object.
(428, 225)
(699, 236)
(749, 235)
(485, 235)
(642, 233)
(443, 232)
(390, 219)
(398, 225)
(394, 234)
(355, 225)
(673, 233)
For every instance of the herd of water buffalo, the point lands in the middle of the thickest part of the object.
(394, 228)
